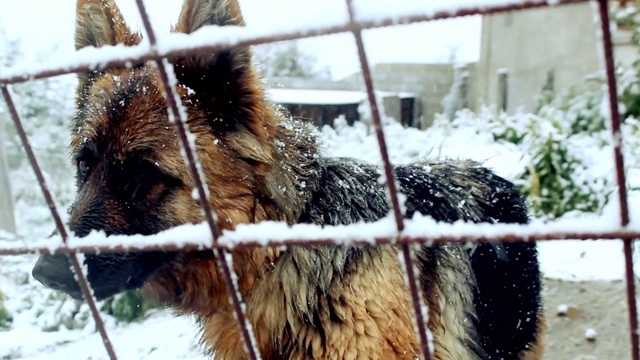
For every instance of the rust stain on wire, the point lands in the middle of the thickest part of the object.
(62, 230)
(416, 298)
(607, 45)
(220, 254)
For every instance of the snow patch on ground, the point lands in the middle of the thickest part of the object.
(161, 336)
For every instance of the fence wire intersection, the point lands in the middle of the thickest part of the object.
(150, 52)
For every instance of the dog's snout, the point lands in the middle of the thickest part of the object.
(54, 271)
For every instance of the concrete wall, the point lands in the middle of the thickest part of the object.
(625, 51)
(531, 43)
(430, 82)
(7, 222)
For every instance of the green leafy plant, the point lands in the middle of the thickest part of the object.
(556, 173)
(552, 184)
(129, 307)
(5, 316)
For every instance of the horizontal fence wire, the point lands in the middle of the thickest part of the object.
(141, 53)
(217, 242)
(248, 243)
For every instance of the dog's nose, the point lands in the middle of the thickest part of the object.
(54, 271)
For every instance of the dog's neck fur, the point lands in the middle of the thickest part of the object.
(193, 285)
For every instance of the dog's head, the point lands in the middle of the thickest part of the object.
(131, 177)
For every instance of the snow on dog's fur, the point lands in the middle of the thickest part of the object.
(329, 302)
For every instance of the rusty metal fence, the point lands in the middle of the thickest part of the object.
(428, 234)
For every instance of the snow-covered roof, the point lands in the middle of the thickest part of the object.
(326, 97)
(401, 94)
(316, 97)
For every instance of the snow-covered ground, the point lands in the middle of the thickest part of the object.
(161, 336)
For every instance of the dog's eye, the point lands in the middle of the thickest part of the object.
(83, 167)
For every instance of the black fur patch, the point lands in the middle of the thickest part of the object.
(507, 296)
(110, 274)
(220, 89)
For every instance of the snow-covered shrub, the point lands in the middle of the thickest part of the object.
(558, 144)
(628, 78)
(5, 317)
(59, 311)
(129, 307)
(580, 112)
(557, 180)
(287, 59)
(46, 108)
(566, 130)
(631, 145)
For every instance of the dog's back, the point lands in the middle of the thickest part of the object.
(483, 303)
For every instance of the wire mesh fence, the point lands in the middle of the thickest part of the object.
(221, 244)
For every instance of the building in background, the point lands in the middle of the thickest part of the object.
(320, 101)
(320, 107)
(550, 48)
(521, 53)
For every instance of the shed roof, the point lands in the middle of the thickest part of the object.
(316, 97)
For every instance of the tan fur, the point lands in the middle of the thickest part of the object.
(111, 28)
(374, 327)
(448, 306)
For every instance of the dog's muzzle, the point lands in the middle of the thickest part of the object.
(54, 271)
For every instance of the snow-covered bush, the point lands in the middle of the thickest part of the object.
(287, 59)
(558, 144)
(5, 317)
(129, 307)
(577, 112)
(568, 126)
(631, 145)
(46, 108)
(557, 180)
(59, 311)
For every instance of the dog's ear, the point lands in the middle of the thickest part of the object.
(225, 84)
(99, 23)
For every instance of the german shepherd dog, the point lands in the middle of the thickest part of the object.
(316, 302)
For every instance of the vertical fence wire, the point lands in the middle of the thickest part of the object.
(179, 119)
(616, 135)
(407, 256)
(62, 229)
